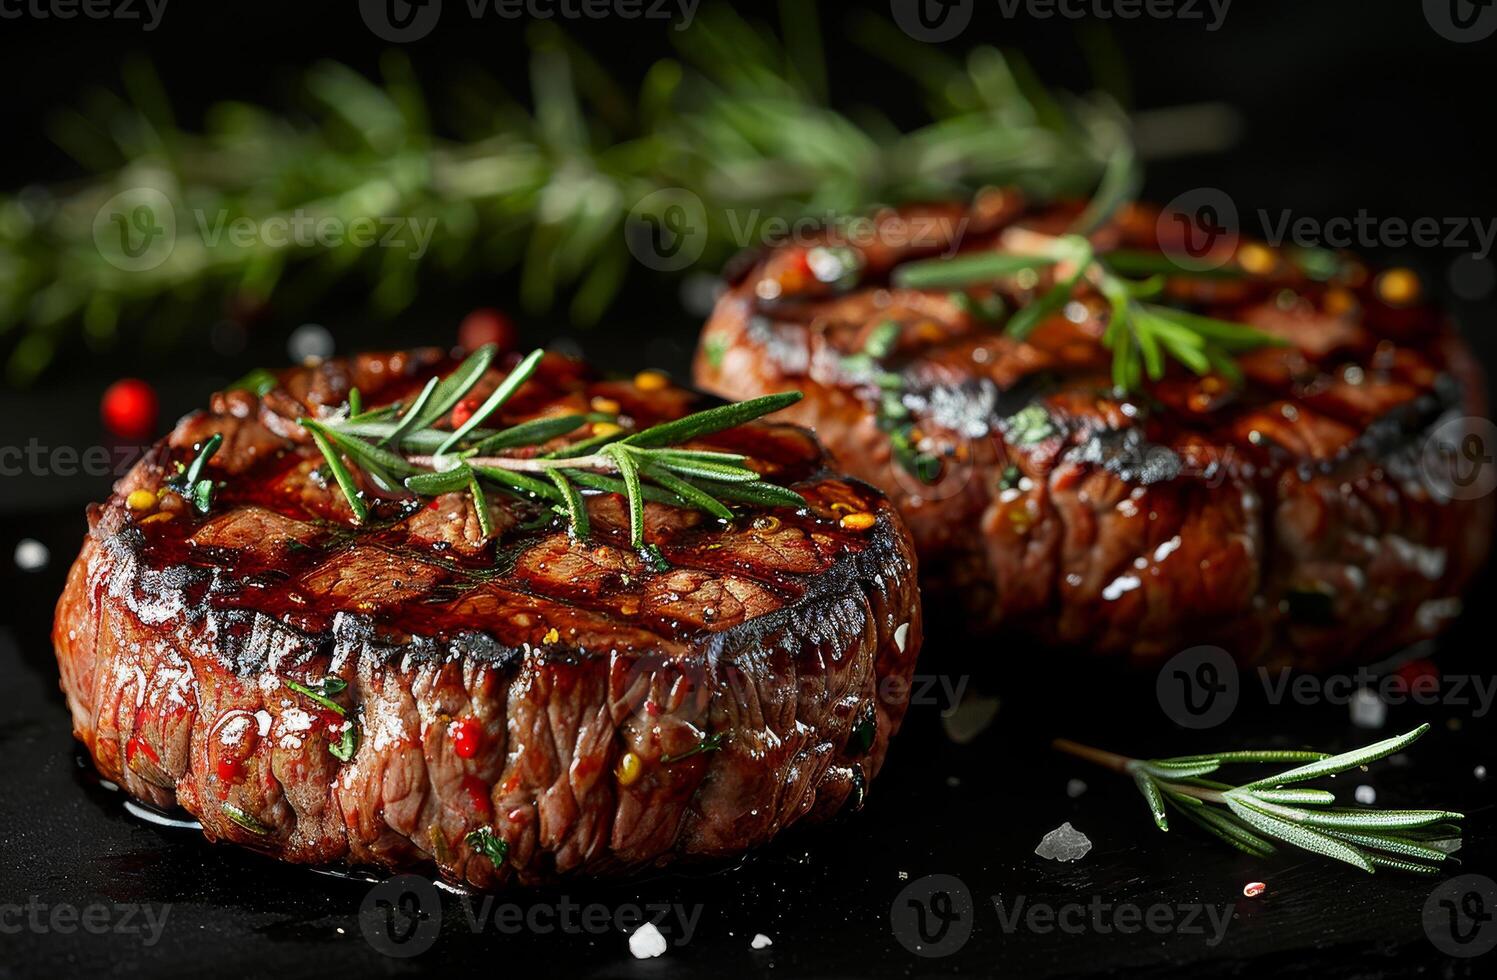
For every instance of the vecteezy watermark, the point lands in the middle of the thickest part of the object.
(1458, 458)
(36, 459)
(667, 230)
(1460, 916)
(1463, 21)
(932, 21)
(934, 917)
(402, 21)
(147, 12)
(1468, 691)
(96, 919)
(137, 230)
(402, 917)
(1199, 687)
(1367, 231)
(1210, 13)
(1198, 229)
(1103, 918)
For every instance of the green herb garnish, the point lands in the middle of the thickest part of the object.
(1251, 816)
(244, 820)
(323, 692)
(191, 483)
(489, 844)
(711, 743)
(645, 465)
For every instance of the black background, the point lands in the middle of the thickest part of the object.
(1344, 106)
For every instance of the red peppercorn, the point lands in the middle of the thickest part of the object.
(465, 736)
(129, 409)
(463, 411)
(486, 325)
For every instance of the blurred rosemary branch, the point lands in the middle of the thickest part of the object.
(739, 118)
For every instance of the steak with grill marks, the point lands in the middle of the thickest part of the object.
(1299, 517)
(598, 711)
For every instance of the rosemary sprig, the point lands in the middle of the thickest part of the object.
(649, 465)
(543, 184)
(1141, 335)
(190, 482)
(1251, 816)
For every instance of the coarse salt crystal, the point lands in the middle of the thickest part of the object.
(760, 941)
(646, 942)
(1064, 843)
(1075, 788)
(1365, 795)
(1367, 709)
(32, 555)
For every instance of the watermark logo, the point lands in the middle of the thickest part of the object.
(147, 922)
(148, 12)
(932, 916)
(404, 21)
(1460, 916)
(667, 230)
(401, 21)
(932, 21)
(1462, 21)
(136, 229)
(402, 916)
(1212, 13)
(1198, 688)
(1105, 918)
(1457, 459)
(1198, 229)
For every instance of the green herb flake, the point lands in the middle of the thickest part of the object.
(489, 844)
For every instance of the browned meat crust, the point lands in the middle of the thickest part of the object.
(1289, 520)
(550, 689)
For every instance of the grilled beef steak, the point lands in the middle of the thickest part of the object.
(1291, 518)
(525, 706)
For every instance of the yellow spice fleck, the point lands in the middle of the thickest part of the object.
(607, 406)
(551, 636)
(157, 518)
(1257, 259)
(629, 769)
(1398, 287)
(606, 429)
(141, 501)
(650, 381)
(860, 521)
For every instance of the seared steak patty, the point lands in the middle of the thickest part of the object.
(1290, 518)
(527, 705)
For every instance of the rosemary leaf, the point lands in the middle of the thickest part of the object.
(1346, 760)
(716, 472)
(480, 505)
(629, 470)
(533, 433)
(1393, 845)
(522, 482)
(712, 420)
(1378, 819)
(442, 481)
(451, 389)
(762, 494)
(693, 495)
(409, 421)
(365, 454)
(965, 270)
(1302, 837)
(1150, 790)
(576, 506)
(342, 476)
(610, 484)
(495, 401)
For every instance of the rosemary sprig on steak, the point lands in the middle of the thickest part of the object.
(1139, 333)
(1251, 816)
(399, 450)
